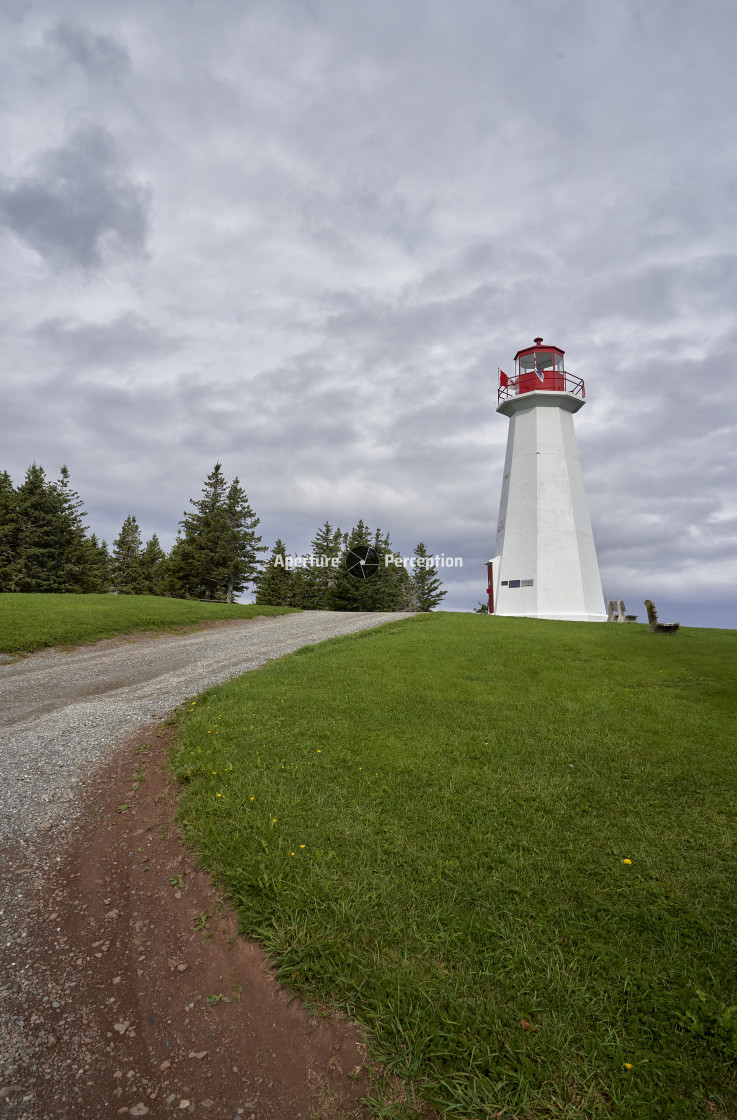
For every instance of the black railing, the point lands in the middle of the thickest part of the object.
(548, 380)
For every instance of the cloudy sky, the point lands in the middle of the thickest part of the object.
(300, 236)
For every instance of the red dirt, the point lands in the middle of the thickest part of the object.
(116, 946)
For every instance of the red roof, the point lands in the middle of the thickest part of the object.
(538, 346)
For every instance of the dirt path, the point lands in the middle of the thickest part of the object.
(106, 987)
(124, 988)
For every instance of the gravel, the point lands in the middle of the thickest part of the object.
(61, 712)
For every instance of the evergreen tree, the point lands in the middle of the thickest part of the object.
(198, 564)
(153, 563)
(43, 541)
(387, 590)
(8, 530)
(73, 555)
(179, 562)
(216, 553)
(275, 587)
(98, 569)
(425, 582)
(243, 543)
(35, 558)
(129, 577)
(300, 590)
(398, 588)
(319, 578)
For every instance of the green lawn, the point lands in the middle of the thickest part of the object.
(29, 622)
(430, 826)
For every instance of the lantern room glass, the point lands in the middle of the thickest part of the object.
(541, 360)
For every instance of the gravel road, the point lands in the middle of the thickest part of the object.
(62, 712)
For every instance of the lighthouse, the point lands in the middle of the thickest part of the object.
(544, 563)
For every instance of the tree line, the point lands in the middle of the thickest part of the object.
(45, 546)
(324, 578)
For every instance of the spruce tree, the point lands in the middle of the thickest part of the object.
(348, 592)
(198, 565)
(179, 565)
(275, 587)
(320, 577)
(8, 530)
(300, 589)
(127, 561)
(216, 552)
(99, 568)
(153, 563)
(425, 582)
(71, 544)
(397, 591)
(35, 560)
(387, 590)
(243, 543)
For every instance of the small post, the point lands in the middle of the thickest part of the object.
(490, 588)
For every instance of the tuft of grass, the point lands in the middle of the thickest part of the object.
(508, 847)
(29, 622)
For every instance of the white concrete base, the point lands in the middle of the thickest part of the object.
(544, 536)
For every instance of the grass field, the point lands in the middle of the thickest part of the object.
(506, 846)
(29, 622)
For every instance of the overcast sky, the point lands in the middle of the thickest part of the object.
(299, 237)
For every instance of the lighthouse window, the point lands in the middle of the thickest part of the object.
(527, 582)
(539, 359)
(514, 583)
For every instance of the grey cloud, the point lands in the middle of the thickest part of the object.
(130, 338)
(100, 55)
(360, 214)
(80, 205)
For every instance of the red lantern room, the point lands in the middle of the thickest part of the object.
(539, 367)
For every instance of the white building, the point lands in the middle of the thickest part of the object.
(544, 563)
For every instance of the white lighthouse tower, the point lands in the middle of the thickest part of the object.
(544, 563)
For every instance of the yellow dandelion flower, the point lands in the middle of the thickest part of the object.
(626, 861)
(220, 795)
(628, 1065)
(301, 845)
(252, 799)
(274, 821)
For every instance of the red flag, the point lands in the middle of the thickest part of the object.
(503, 379)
